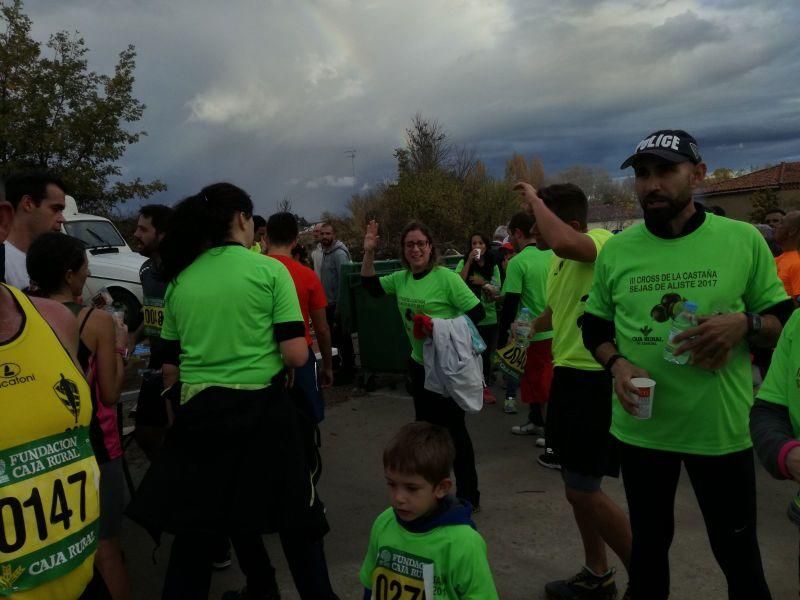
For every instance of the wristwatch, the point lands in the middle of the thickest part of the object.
(753, 323)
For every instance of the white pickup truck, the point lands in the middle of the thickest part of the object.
(112, 263)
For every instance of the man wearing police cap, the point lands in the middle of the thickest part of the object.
(643, 279)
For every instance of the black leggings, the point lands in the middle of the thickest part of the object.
(489, 335)
(433, 408)
(189, 571)
(725, 488)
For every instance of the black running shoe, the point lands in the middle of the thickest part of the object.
(223, 560)
(549, 459)
(583, 586)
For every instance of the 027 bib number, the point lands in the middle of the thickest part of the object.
(391, 586)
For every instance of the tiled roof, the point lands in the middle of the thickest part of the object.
(783, 176)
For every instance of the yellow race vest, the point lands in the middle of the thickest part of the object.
(49, 501)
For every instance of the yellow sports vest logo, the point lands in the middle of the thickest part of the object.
(48, 509)
(11, 375)
(67, 392)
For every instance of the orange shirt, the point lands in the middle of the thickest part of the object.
(789, 272)
(309, 288)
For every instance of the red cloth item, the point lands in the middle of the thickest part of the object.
(534, 385)
(423, 327)
(309, 289)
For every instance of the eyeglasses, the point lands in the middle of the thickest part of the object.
(422, 244)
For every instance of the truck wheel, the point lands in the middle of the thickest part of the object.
(133, 308)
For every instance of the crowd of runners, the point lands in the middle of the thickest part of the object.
(632, 354)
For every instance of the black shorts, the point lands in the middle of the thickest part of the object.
(112, 498)
(578, 423)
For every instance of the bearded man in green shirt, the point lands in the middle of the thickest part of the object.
(699, 416)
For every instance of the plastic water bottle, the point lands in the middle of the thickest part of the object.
(522, 328)
(685, 320)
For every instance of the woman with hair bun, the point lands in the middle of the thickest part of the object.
(233, 463)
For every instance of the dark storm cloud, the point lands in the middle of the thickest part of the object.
(271, 95)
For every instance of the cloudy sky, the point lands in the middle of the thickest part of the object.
(271, 94)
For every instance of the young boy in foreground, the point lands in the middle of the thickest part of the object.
(426, 542)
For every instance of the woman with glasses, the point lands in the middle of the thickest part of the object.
(425, 288)
(233, 462)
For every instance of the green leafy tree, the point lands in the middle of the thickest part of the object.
(57, 114)
(721, 174)
(427, 147)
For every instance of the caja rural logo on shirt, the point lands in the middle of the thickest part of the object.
(9, 576)
(11, 375)
(646, 339)
(400, 575)
(666, 310)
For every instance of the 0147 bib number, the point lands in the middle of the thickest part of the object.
(48, 509)
(43, 510)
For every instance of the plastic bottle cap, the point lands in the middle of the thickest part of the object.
(690, 306)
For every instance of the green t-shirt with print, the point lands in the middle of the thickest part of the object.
(568, 284)
(440, 294)
(451, 559)
(640, 281)
(526, 275)
(222, 309)
(782, 384)
(490, 306)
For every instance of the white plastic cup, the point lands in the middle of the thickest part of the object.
(644, 396)
(477, 253)
(118, 314)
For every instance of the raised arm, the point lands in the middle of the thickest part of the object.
(370, 244)
(565, 241)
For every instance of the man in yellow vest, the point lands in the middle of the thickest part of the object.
(49, 501)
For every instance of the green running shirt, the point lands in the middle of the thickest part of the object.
(222, 309)
(397, 560)
(568, 284)
(724, 266)
(782, 384)
(440, 294)
(526, 275)
(490, 306)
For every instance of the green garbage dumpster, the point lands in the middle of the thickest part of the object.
(382, 343)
